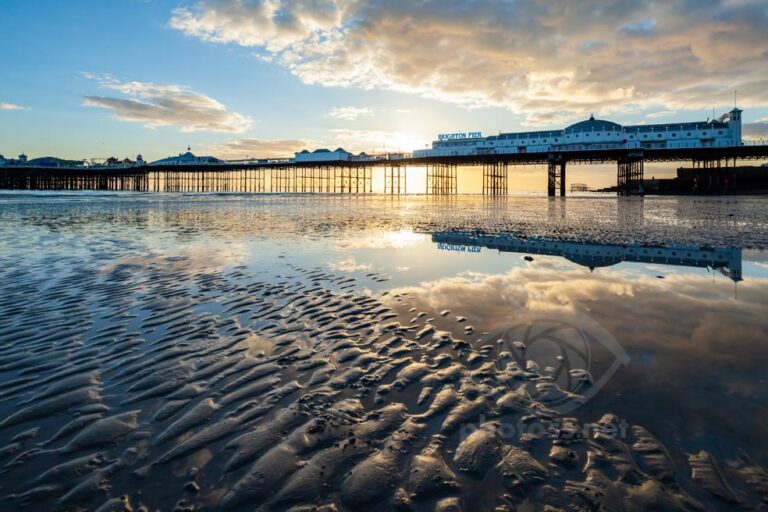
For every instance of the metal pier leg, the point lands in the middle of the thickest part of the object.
(629, 177)
(562, 179)
(551, 177)
(555, 177)
(495, 179)
(441, 179)
(394, 179)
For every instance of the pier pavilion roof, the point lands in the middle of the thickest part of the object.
(593, 125)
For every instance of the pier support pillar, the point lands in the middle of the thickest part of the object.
(283, 179)
(556, 177)
(251, 181)
(495, 179)
(395, 179)
(714, 163)
(352, 180)
(630, 176)
(441, 179)
(714, 176)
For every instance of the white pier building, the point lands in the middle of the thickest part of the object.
(594, 134)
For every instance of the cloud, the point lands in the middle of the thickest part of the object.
(539, 58)
(166, 105)
(275, 25)
(756, 130)
(351, 140)
(661, 113)
(350, 113)
(259, 148)
(376, 140)
(639, 28)
(10, 106)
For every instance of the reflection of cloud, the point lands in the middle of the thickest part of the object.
(532, 56)
(349, 265)
(165, 105)
(193, 258)
(350, 113)
(683, 313)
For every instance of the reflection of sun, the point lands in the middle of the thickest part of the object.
(401, 238)
(387, 239)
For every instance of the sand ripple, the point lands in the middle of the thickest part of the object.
(166, 386)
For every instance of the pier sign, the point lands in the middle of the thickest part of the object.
(458, 248)
(460, 135)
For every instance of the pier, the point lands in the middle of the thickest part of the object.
(356, 176)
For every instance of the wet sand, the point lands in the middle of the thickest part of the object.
(194, 356)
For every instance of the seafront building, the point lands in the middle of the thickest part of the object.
(594, 134)
(323, 155)
(187, 159)
(10, 161)
(342, 155)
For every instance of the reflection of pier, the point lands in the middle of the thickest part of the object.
(727, 260)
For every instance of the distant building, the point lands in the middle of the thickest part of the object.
(579, 187)
(595, 134)
(323, 155)
(140, 160)
(22, 158)
(2, 161)
(188, 159)
(52, 161)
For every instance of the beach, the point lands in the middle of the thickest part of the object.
(271, 352)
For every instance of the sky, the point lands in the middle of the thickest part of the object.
(263, 78)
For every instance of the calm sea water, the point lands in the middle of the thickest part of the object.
(98, 292)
